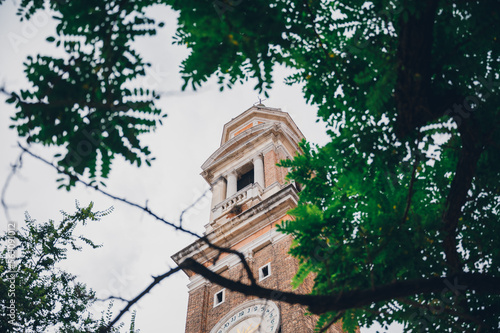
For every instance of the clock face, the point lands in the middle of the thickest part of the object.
(258, 316)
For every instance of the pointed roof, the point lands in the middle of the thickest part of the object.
(257, 112)
(248, 127)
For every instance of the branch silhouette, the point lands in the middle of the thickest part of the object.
(14, 168)
(317, 304)
(179, 227)
(156, 280)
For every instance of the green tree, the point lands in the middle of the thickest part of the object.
(406, 193)
(88, 102)
(408, 188)
(36, 294)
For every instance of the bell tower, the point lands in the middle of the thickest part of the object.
(250, 196)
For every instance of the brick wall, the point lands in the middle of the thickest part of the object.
(271, 172)
(283, 268)
(197, 310)
(282, 172)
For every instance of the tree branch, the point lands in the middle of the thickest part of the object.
(332, 321)
(319, 304)
(14, 167)
(204, 238)
(109, 195)
(465, 171)
(156, 280)
(192, 205)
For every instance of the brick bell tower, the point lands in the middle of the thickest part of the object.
(249, 197)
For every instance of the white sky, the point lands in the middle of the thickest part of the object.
(135, 245)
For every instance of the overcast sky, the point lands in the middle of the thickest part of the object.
(135, 245)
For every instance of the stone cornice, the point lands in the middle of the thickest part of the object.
(238, 146)
(242, 226)
(271, 237)
(259, 112)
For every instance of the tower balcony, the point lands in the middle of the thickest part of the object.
(235, 204)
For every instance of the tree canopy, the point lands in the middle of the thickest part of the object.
(85, 102)
(37, 295)
(407, 192)
(40, 294)
(408, 188)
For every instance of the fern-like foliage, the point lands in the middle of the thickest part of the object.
(82, 101)
(45, 296)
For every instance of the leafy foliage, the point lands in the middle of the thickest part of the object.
(106, 318)
(82, 102)
(409, 184)
(407, 189)
(43, 295)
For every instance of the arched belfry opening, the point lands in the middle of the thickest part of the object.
(246, 177)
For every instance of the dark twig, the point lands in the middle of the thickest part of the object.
(156, 280)
(147, 210)
(14, 168)
(192, 205)
(3, 91)
(114, 197)
(110, 298)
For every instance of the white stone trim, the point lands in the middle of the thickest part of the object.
(271, 237)
(249, 192)
(238, 145)
(242, 226)
(258, 168)
(196, 282)
(245, 161)
(261, 274)
(232, 183)
(223, 291)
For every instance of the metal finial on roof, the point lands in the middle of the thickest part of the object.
(260, 102)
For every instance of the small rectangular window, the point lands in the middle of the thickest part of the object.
(264, 272)
(219, 297)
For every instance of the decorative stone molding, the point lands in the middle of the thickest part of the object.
(258, 163)
(268, 125)
(238, 198)
(248, 222)
(249, 256)
(198, 281)
(250, 192)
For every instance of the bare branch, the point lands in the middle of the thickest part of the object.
(192, 205)
(14, 168)
(5, 92)
(147, 210)
(156, 280)
(110, 298)
(114, 197)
